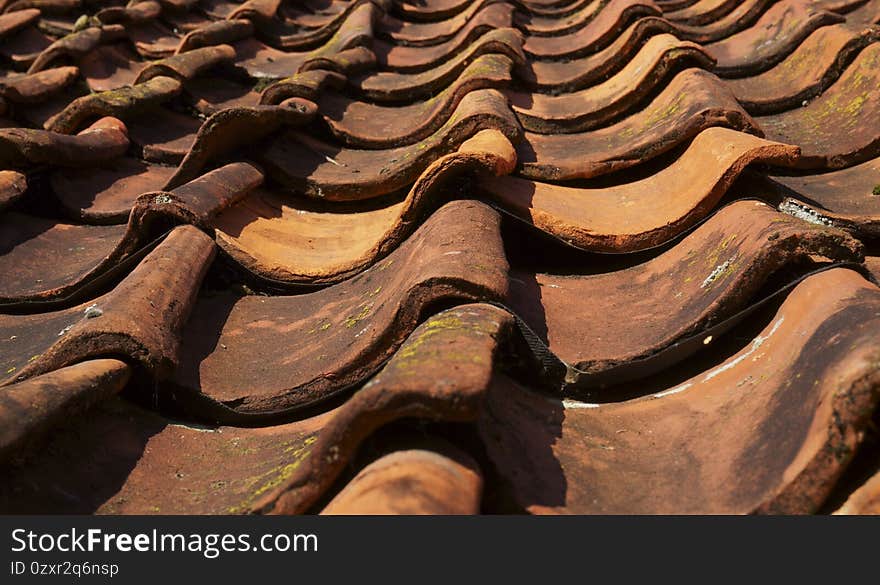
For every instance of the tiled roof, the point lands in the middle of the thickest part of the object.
(439, 256)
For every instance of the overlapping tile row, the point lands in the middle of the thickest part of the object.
(446, 256)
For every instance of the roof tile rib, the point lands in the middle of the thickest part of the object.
(283, 252)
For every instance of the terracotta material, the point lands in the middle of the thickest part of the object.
(12, 22)
(430, 10)
(413, 33)
(360, 14)
(706, 277)
(37, 87)
(556, 24)
(261, 60)
(868, 13)
(318, 344)
(285, 240)
(365, 125)
(187, 65)
(776, 34)
(702, 12)
(121, 103)
(34, 244)
(106, 139)
(692, 102)
(659, 58)
(440, 373)
(842, 126)
(210, 95)
(140, 12)
(160, 466)
(767, 430)
(106, 193)
(234, 127)
(813, 66)
(155, 465)
(12, 187)
(865, 500)
(77, 45)
(741, 17)
(573, 74)
(392, 86)
(309, 85)
(140, 319)
(848, 198)
(110, 67)
(216, 33)
(410, 59)
(164, 136)
(412, 482)
(29, 409)
(646, 212)
(596, 35)
(333, 173)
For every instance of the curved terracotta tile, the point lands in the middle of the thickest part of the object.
(660, 57)
(106, 193)
(365, 125)
(865, 500)
(841, 127)
(707, 276)
(693, 101)
(442, 481)
(122, 103)
(807, 72)
(104, 140)
(702, 12)
(163, 135)
(141, 12)
(461, 343)
(598, 34)
(37, 87)
(211, 94)
(410, 59)
(430, 10)
(77, 45)
(351, 327)
(300, 162)
(216, 33)
(231, 128)
(154, 39)
(187, 65)
(235, 470)
(263, 61)
(23, 46)
(110, 67)
(770, 40)
(768, 430)
(140, 319)
(358, 22)
(286, 241)
(392, 86)
(12, 187)
(32, 245)
(646, 212)
(12, 22)
(557, 24)
(309, 85)
(424, 34)
(29, 409)
(573, 74)
(156, 465)
(847, 198)
(868, 13)
(741, 17)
